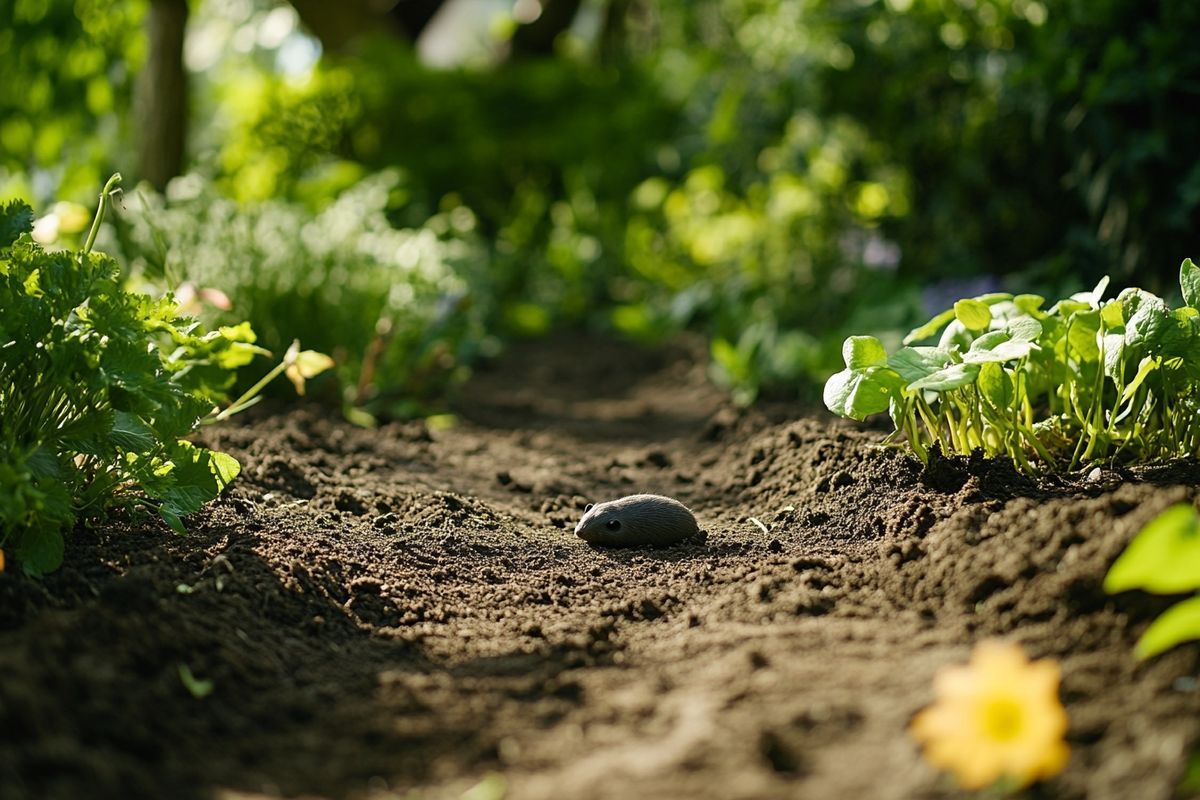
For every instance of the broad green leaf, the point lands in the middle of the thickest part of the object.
(1113, 314)
(930, 328)
(1025, 329)
(1114, 355)
(1178, 624)
(129, 433)
(197, 476)
(956, 337)
(989, 340)
(40, 549)
(1029, 303)
(859, 393)
(1189, 283)
(914, 363)
(973, 314)
(953, 376)
(996, 384)
(1147, 319)
(1001, 352)
(1163, 558)
(860, 352)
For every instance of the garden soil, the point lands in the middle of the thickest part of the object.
(405, 612)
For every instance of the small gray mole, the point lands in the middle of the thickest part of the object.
(637, 519)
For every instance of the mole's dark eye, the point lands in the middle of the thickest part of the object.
(588, 507)
(613, 525)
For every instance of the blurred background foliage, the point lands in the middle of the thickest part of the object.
(406, 184)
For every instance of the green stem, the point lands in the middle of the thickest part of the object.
(243, 402)
(105, 194)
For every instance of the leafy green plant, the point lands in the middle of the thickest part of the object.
(1086, 380)
(1164, 558)
(98, 387)
(401, 310)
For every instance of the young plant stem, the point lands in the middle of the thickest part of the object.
(105, 195)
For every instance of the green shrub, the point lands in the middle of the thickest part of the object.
(98, 388)
(400, 310)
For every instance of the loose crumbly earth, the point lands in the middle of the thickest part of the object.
(404, 612)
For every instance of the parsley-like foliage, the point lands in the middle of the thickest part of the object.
(99, 386)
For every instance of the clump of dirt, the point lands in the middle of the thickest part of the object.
(368, 613)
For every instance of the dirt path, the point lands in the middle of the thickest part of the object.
(406, 609)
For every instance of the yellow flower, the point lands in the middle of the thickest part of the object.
(997, 718)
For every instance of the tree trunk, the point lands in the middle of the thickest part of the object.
(337, 24)
(162, 94)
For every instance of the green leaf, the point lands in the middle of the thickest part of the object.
(1147, 319)
(1189, 283)
(86, 432)
(1092, 298)
(914, 363)
(1081, 330)
(1025, 329)
(40, 549)
(16, 217)
(1029, 303)
(173, 520)
(1179, 623)
(310, 363)
(953, 376)
(930, 328)
(197, 476)
(1001, 352)
(973, 314)
(1113, 314)
(237, 354)
(860, 352)
(1148, 365)
(956, 337)
(996, 384)
(1114, 355)
(130, 434)
(859, 393)
(1163, 558)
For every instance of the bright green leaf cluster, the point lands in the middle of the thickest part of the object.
(1086, 380)
(1164, 558)
(98, 387)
